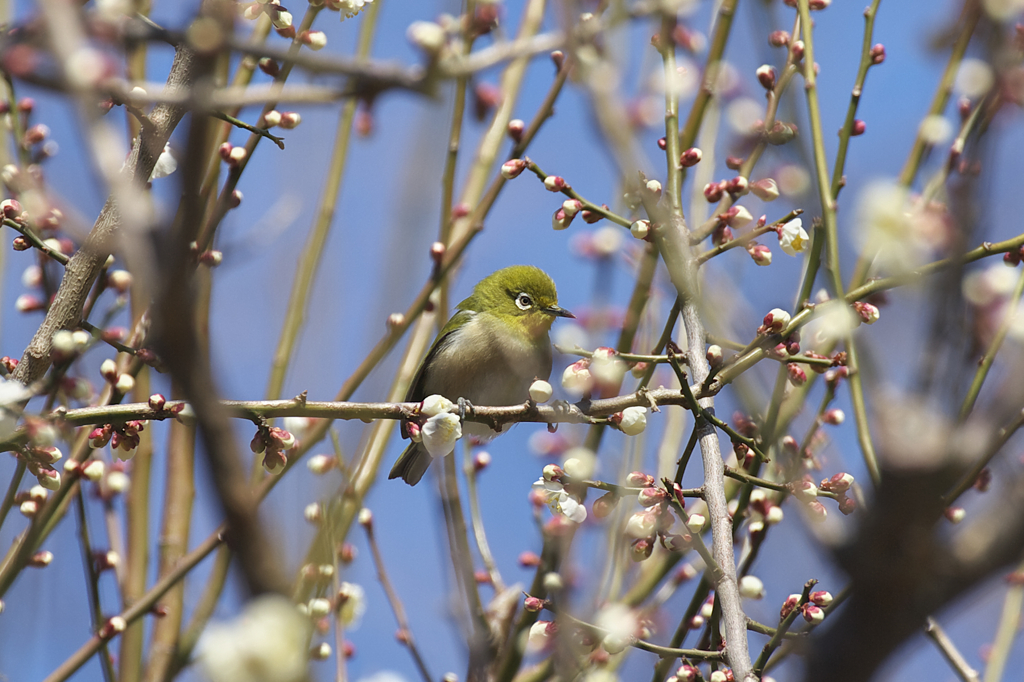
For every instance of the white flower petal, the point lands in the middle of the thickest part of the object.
(440, 433)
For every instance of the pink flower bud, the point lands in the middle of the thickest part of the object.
(529, 559)
(516, 127)
(766, 76)
(812, 613)
(835, 416)
(955, 514)
(858, 128)
(560, 221)
(641, 549)
(690, 157)
(765, 189)
(878, 54)
(821, 598)
(269, 67)
(868, 313)
(604, 505)
(760, 253)
(788, 606)
(797, 375)
(534, 604)
(639, 479)
(662, 143)
(774, 322)
(481, 461)
(648, 497)
(512, 168)
(555, 183)
(290, 120)
(714, 356)
(778, 38)
(713, 192)
(316, 40)
(798, 49)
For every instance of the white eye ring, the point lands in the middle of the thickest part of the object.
(524, 302)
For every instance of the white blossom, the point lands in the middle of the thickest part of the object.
(440, 433)
(793, 238)
(266, 643)
(561, 502)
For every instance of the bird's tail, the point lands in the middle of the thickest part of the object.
(413, 463)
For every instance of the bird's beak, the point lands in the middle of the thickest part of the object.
(558, 312)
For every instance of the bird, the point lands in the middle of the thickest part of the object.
(488, 353)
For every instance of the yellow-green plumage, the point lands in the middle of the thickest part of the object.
(489, 352)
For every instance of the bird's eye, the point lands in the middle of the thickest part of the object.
(524, 301)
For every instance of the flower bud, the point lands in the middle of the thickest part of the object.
(560, 220)
(534, 604)
(714, 356)
(631, 421)
(766, 76)
(640, 229)
(695, 523)
(290, 120)
(774, 322)
(641, 549)
(821, 598)
(427, 36)
(955, 514)
(512, 168)
(877, 54)
(868, 313)
(797, 375)
(713, 192)
(751, 587)
(648, 497)
(858, 128)
(272, 119)
(555, 183)
(604, 505)
(690, 157)
(540, 391)
(759, 253)
(640, 479)
(765, 189)
(812, 613)
(516, 127)
(316, 40)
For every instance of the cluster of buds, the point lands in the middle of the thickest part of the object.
(232, 155)
(123, 383)
(210, 257)
(734, 187)
(763, 511)
(124, 437)
(29, 501)
(564, 215)
(840, 484)
(39, 460)
(273, 443)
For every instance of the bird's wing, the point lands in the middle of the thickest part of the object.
(417, 391)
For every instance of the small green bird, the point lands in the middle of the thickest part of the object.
(488, 353)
